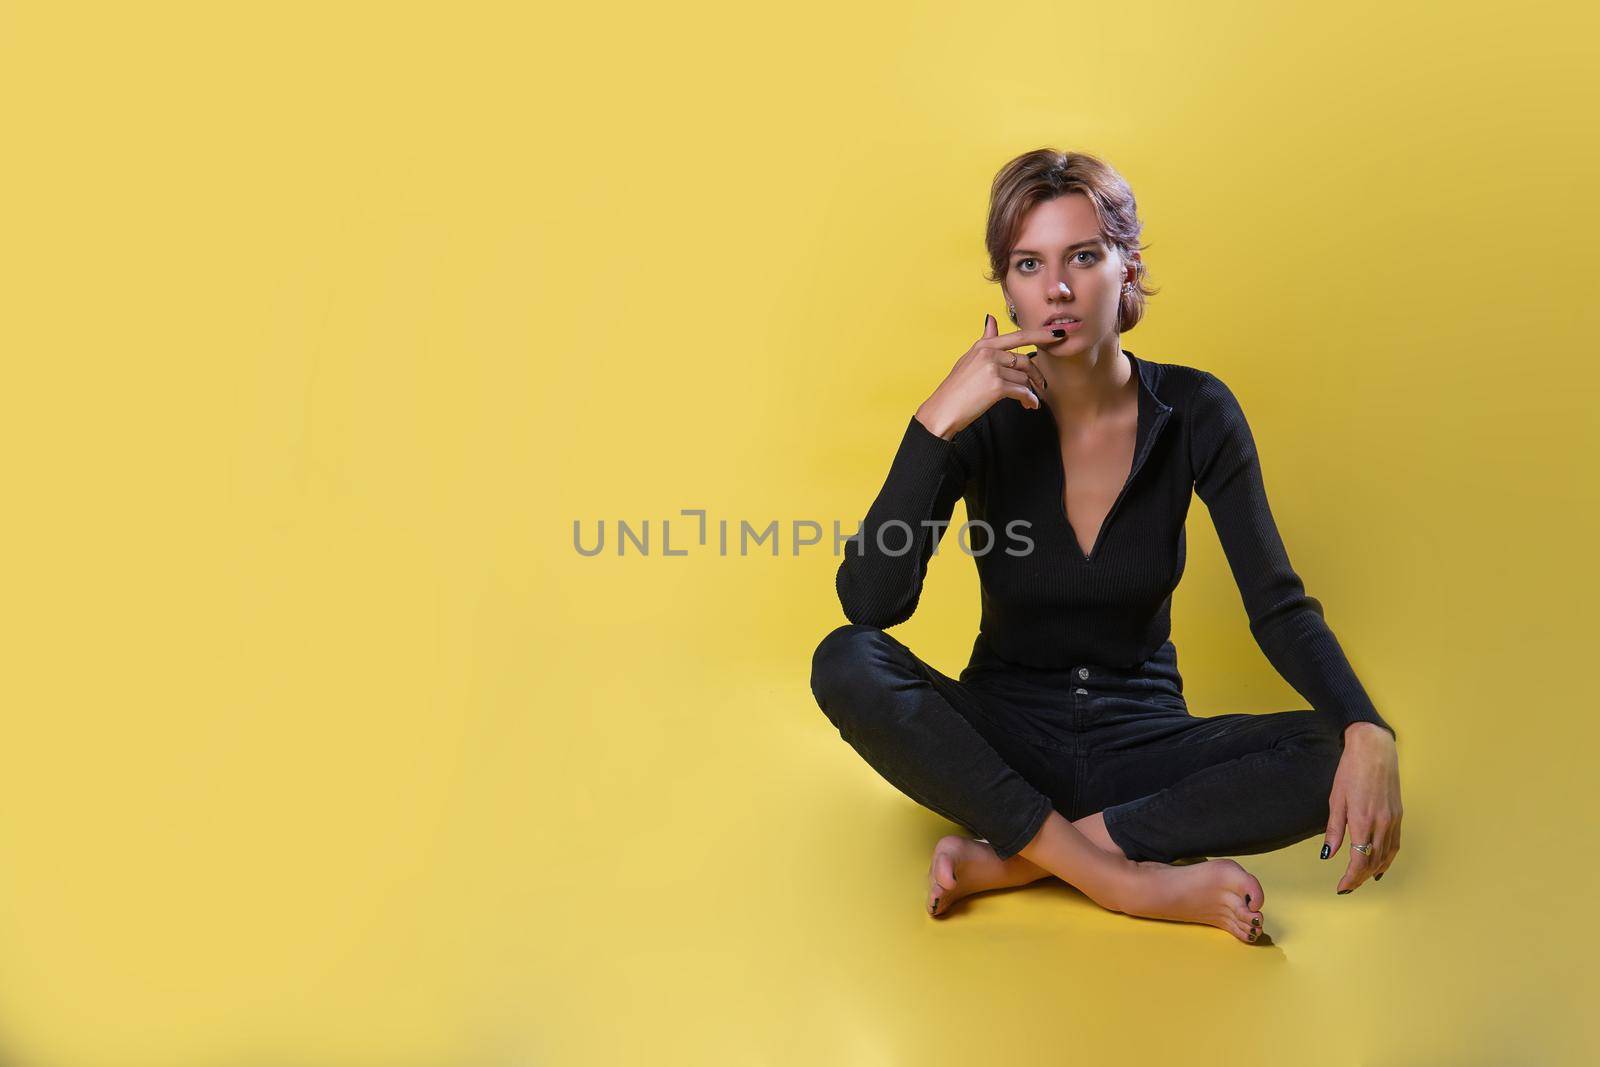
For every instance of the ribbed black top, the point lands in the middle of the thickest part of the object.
(1046, 604)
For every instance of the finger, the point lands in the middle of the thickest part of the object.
(1033, 335)
(1039, 384)
(1022, 393)
(1394, 848)
(1006, 360)
(1335, 833)
(990, 327)
(1381, 863)
(1023, 365)
(1360, 865)
(1380, 849)
(1018, 375)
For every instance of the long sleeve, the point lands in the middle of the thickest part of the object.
(1286, 622)
(879, 581)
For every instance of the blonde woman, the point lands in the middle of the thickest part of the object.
(1066, 746)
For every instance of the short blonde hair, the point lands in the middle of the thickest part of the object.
(1045, 174)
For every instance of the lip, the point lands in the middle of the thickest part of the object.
(1068, 326)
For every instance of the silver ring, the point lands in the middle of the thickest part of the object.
(1013, 362)
(1363, 849)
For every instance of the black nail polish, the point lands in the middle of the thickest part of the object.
(1247, 898)
(1377, 878)
(986, 318)
(1059, 333)
(1255, 921)
(1325, 850)
(1342, 892)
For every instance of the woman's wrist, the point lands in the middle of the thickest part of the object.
(935, 421)
(1361, 730)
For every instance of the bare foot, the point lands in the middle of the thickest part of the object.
(1217, 893)
(962, 865)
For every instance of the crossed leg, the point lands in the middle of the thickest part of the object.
(1173, 788)
(918, 729)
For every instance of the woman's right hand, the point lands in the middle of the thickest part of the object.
(987, 373)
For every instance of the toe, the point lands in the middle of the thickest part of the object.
(1255, 896)
(1244, 911)
(944, 868)
(942, 872)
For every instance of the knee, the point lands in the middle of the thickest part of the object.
(845, 662)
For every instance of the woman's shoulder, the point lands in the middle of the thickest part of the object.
(1195, 389)
(1175, 382)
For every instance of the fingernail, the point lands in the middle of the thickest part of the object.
(1247, 898)
(1059, 333)
(986, 318)
(1342, 892)
(1325, 850)
(1377, 878)
(1256, 920)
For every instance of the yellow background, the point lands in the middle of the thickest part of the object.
(323, 323)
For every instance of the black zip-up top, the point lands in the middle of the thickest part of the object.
(1045, 603)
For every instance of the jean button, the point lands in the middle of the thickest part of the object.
(1083, 672)
(1081, 692)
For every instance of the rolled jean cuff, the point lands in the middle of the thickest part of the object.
(1036, 819)
(1132, 847)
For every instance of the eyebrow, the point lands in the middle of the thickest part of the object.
(1031, 252)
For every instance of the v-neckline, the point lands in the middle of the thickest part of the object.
(1151, 415)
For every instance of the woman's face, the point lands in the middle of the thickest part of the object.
(1060, 242)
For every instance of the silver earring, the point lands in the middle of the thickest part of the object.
(1012, 309)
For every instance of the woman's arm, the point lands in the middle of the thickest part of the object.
(1287, 623)
(878, 583)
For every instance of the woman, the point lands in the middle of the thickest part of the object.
(1066, 745)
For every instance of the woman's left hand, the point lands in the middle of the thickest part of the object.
(1366, 798)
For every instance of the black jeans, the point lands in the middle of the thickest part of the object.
(998, 749)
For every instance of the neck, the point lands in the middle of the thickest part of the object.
(1087, 384)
